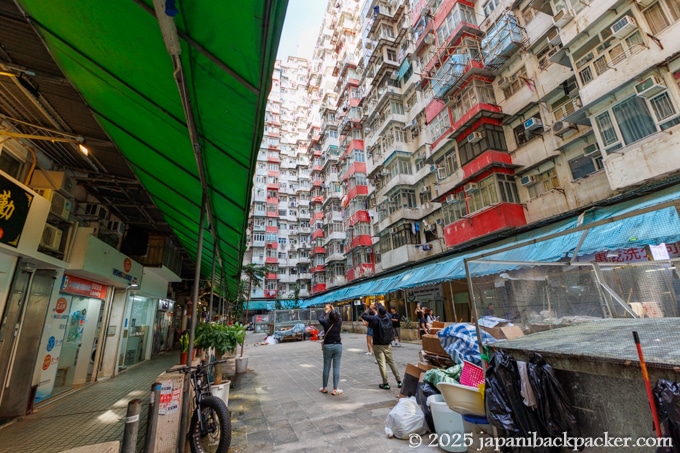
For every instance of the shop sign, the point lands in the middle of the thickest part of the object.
(71, 284)
(15, 203)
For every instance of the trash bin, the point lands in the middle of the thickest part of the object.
(447, 424)
(481, 432)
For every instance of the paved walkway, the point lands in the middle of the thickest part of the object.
(275, 406)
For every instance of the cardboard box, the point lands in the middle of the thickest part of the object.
(412, 375)
(504, 331)
(438, 325)
(432, 345)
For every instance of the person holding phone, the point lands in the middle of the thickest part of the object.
(332, 348)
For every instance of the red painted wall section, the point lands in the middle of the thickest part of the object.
(362, 270)
(433, 108)
(484, 160)
(359, 216)
(318, 288)
(486, 221)
(362, 239)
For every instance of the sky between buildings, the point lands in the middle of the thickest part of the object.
(301, 28)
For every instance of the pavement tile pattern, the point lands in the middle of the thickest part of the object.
(275, 406)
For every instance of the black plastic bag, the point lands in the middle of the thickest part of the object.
(667, 398)
(503, 399)
(554, 409)
(424, 391)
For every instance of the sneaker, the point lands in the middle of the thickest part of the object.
(375, 361)
(399, 384)
(384, 386)
(369, 353)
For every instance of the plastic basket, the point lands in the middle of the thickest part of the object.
(472, 375)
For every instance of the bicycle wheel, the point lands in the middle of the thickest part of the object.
(217, 424)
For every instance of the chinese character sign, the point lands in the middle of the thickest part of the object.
(14, 205)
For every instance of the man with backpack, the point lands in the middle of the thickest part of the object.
(383, 334)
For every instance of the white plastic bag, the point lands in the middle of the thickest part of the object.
(405, 418)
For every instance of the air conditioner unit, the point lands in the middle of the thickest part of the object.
(591, 149)
(429, 39)
(424, 189)
(57, 180)
(562, 17)
(98, 211)
(560, 127)
(59, 204)
(528, 180)
(441, 173)
(504, 82)
(470, 187)
(650, 87)
(553, 37)
(475, 137)
(623, 27)
(450, 198)
(394, 75)
(51, 238)
(369, 250)
(533, 124)
(439, 222)
(430, 227)
(114, 227)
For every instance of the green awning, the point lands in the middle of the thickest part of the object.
(115, 56)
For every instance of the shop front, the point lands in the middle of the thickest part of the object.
(69, 337)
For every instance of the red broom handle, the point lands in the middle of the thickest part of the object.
(648, 386)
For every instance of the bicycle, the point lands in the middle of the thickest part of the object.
(210, 426)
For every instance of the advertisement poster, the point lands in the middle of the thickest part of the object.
(51, 344)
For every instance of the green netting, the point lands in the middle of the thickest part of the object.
(114, 55)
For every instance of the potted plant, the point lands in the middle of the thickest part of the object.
(222, 341)
(184, 348)
(202, 337)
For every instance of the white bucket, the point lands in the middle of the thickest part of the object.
(448, 425)
(221, 391)
(241, 364)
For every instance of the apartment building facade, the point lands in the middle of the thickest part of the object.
(456, 123)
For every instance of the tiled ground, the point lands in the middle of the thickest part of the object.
(275, 406)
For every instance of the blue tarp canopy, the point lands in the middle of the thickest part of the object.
(547, 244)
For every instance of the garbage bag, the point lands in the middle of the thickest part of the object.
(426, 390)
(667, 399)
(555, 412)
(503, 400)
(404, 419)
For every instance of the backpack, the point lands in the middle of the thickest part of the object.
(385, 330)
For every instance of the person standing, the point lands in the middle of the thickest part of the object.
(396, 325)
(369, 331)
(423, 328)
(332, 348)
(383, 333)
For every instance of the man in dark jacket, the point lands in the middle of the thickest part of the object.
(383, 333)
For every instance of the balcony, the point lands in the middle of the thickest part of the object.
(492, 219)
(271, 260)
(319, 287)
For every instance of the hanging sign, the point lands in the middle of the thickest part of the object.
(76, 285)
(15, 203)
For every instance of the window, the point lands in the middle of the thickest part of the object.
(521, 135)
(546, 182)
(587, 163)
(493, 138)
(661, 14)
(518, 80)
(440, 124)
(494, 189)
(632, 120)
(391, 55)
(454, 210)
